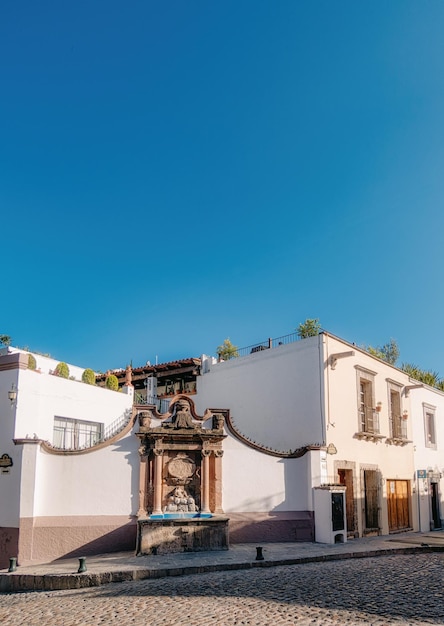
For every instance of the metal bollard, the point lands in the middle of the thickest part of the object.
(259, 555)
(12, 564)
(82, 565)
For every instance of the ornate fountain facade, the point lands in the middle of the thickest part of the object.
(180, 492)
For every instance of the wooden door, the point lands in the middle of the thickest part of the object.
(398, 504)
(371, 500)
(346, 479)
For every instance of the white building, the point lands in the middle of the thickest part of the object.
(298, 416)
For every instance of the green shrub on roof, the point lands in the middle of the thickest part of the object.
(62, 370)
(112, 382)
(89, 377)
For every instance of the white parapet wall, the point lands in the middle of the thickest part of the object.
(60, 501)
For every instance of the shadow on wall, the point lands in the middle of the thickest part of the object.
(129, 446)
(279, 526)
(8, 545)
(121, 539)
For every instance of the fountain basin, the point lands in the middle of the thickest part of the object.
(166, 535)
(196, 515)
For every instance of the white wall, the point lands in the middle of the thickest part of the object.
(9, 482)
(427, 458)
(257, 482)
(103, 482)
(342, 411)
(275, 399)
(48, 364)
(274, 396)
(395, 462)
(41, 397)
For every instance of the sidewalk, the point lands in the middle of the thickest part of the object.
(124, 566)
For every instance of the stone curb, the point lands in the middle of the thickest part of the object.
(16, 582)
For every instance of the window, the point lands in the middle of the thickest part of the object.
(368, 418)
(72, 434)
(429, 426)
(398, 425)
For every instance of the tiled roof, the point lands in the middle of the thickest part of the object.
(151, 369)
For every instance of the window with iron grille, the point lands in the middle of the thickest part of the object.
(73, 434)
(398, 425)
(368, 418)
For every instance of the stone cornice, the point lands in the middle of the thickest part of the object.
(15, 361)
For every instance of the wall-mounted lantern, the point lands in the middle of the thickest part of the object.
(12, 394)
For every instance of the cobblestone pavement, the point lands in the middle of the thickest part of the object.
(400, 589)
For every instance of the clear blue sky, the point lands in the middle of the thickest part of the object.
(175, 173)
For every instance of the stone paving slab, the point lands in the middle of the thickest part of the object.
(125, 566)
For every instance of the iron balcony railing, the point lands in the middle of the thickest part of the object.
(369, 420)
(116, 426)
(398, 427)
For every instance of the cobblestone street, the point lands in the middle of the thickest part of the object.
(401, 589)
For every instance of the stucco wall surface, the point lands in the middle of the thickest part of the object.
(48, 364)
(342, 409)
(426, 457)
(10, 480)
(274, 396)
(102, 482)
(41, 397)
(256, 482)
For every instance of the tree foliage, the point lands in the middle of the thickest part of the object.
(227, 350)
(5, 340)
(32, 363)
(310, 328)
(89, 377)
(389, 352)
(112, 382)
(423, 376)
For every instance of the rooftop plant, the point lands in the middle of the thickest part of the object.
(32, 363)
(227, 350)
(310, 328)
(112, 382)
(61, 370)
(89, 377)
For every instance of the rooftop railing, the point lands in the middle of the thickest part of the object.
(162, 404)
(268, 344)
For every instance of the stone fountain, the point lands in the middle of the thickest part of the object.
(180, 494)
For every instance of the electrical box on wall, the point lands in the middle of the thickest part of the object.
(330, 514)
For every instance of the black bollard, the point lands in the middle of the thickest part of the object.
(12, 564)
(82, 565)
(259, 555)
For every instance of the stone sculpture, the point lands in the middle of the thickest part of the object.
(180, 502)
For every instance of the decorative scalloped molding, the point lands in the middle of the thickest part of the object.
(290, 454)
(163, 416)
(47, 446)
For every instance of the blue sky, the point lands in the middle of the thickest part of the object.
(175, 173)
